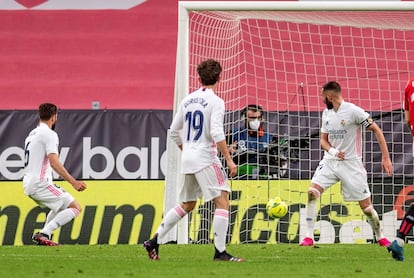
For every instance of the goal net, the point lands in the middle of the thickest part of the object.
(278, 55)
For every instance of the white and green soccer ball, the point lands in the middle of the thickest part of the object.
(276, 208)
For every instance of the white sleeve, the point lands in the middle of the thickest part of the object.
(217, 119)
(361, 117)
(323, 123)
(51, 143)
(176, 127)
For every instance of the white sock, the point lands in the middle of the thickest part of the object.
(170, 219)
(50, 216)
(373, 220)
(60, 219)
(220, 226)
(311, 217)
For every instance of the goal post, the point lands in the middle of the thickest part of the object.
(189, 6)
(278, 54)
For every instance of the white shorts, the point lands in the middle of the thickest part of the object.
(351, 173)
(207, 183)
(52, 196)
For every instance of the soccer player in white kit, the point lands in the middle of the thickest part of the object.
(198, 130)
(341, 139)
(41, 156)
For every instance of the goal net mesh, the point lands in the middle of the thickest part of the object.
(280, 60)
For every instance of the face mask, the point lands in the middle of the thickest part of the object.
(254, 125)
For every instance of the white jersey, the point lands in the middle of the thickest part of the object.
(197, 126)
(344, 128)
(40, 142)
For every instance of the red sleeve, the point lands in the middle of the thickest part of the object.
(409, 102)
(409, 91)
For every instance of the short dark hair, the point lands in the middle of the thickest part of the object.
(209, 72)
(332, 86)
(254, 108)
(46, 111)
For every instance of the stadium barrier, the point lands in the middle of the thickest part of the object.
(128, 212)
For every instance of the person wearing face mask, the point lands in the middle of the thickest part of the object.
(41, 157)
(250, 143)
(341, 136)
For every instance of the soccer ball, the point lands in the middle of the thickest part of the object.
(276, 208)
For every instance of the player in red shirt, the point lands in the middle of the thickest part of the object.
(396, 247)
(409, 104)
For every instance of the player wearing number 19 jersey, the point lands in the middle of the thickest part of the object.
(198, 131)
(200, 116)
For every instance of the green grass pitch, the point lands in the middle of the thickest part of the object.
(262, 260)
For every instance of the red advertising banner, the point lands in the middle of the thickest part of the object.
(114, 54)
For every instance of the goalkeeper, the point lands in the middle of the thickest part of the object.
(397, 246)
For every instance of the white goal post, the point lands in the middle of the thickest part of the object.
(278, 54)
